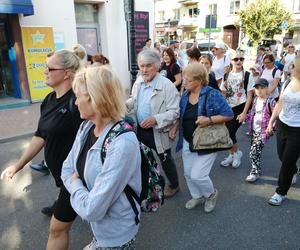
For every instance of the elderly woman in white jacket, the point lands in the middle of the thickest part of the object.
(155, 105)
(96, 188)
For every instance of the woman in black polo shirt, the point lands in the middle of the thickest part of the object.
(57, 128)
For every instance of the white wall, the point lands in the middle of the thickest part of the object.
(113, 33)
(59, 14)
(147, 5)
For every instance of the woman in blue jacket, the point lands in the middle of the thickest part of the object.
(96, 188)
(196, 165)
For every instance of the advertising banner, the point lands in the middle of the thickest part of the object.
(37, 43)
(141, 22)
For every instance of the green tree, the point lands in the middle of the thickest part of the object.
(262, 19)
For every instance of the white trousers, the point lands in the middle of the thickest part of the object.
(196, 171)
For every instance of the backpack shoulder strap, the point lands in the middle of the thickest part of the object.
(131, 196)
(287, 82)
(246, 80)
(117, 129)
(274, 72)
(269, 100)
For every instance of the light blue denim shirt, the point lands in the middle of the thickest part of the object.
(143, 100)
(103, 203)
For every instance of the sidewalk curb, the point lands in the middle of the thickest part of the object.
(15, 138)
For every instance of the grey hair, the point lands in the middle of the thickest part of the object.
(149, 56)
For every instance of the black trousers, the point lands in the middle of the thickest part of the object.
(233, 125)
(288, 149)
(168, 164)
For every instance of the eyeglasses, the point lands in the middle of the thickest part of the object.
(267, 62)
(291, 47)
(238, 59)
(53, 69)
(186, 80)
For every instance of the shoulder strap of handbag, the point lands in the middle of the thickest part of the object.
(204, 102)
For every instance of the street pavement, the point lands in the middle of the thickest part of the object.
(242, 218)
(18, 122)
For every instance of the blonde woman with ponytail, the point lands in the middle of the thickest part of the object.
(56, 131)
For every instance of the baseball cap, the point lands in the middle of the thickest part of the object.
(261, 82)
(219, 45)
(255, 68)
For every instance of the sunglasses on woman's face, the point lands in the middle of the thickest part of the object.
(238, 59)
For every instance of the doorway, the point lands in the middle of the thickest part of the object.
(87, 24)
(231, 36)
(88, 38)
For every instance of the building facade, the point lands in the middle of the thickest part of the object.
(197, 19)
(99, 25)
(293, 35)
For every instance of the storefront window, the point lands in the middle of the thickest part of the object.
(6, 82)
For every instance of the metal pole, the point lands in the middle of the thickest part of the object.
(210, 14)
(129, 17)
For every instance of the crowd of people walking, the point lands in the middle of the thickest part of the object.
(177, 91)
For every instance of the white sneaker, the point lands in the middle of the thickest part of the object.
(210, 202)
(252, 177)
(277, 199)
(227, 161)
(91, 245)
(294, 180)
(237, 156)
(194, 203)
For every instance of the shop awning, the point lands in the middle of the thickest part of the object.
(16, 7)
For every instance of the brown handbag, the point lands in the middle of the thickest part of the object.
(214, 136)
